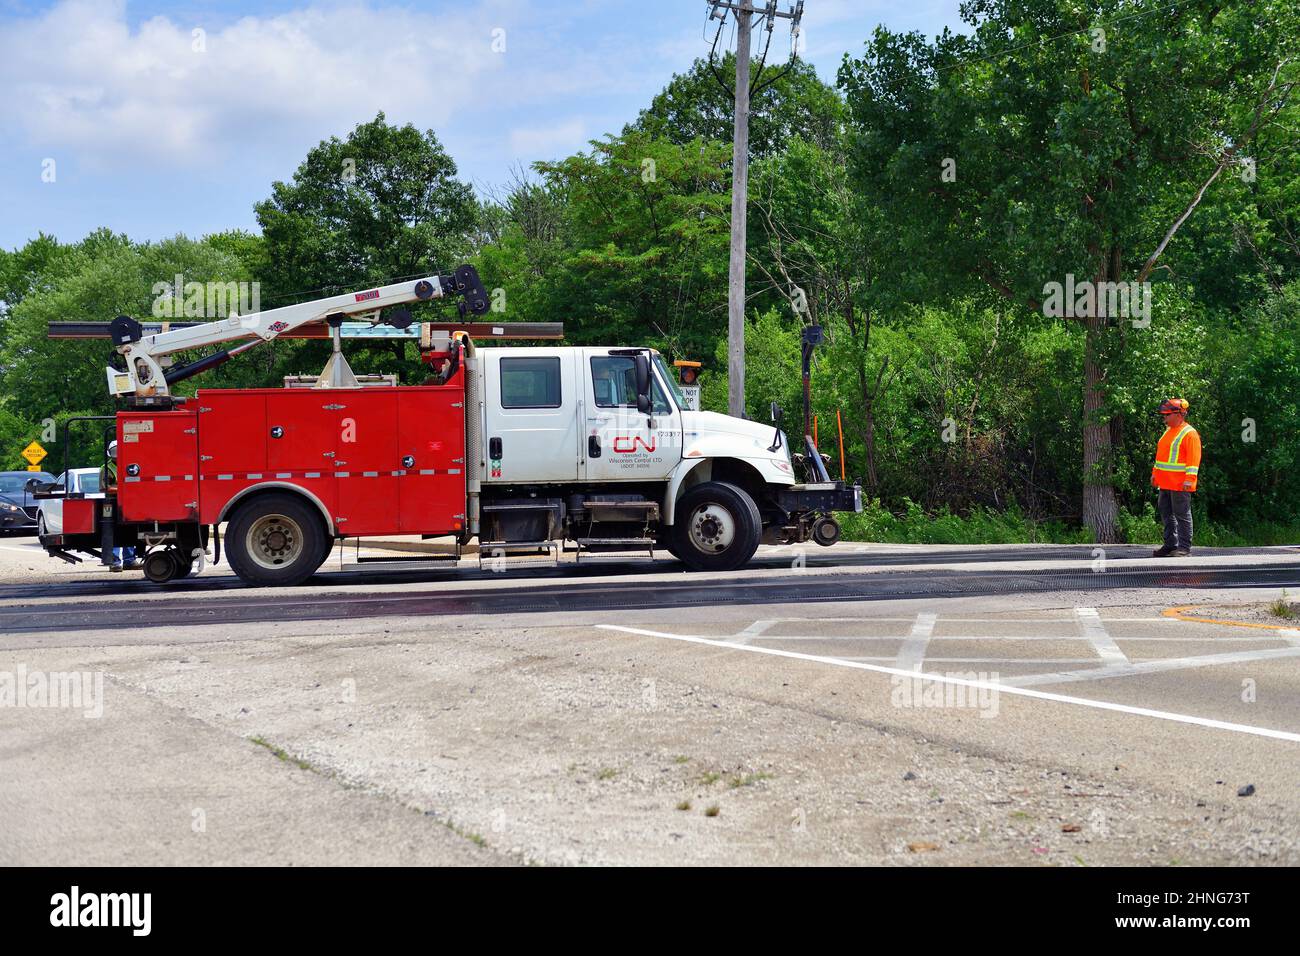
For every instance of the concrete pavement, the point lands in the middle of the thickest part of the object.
(755, 733)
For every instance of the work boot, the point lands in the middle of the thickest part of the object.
(1163, 552)
(115, 567)
(1179, 553)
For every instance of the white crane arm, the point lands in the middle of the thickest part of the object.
(145, 375)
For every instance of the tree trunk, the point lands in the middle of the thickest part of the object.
(869, 443)
(1100, 511)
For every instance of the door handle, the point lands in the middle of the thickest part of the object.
(494, 448)
(593, 446)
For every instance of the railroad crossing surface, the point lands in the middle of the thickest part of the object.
(860, 704)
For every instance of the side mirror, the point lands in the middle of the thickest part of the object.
(642, 362)
(31, 484)
(778, 416)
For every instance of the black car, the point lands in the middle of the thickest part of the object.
(17, 507)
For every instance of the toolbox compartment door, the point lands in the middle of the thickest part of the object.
(157, 466)
(431, 437)
(366, 463)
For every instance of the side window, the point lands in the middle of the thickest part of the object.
(530, 382)
(613, 383)
(89, 483)
(59, 483)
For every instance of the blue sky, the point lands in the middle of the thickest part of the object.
(154, 129)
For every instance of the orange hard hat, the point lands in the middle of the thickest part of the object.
(1172, 405)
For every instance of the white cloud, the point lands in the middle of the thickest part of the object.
(79, 77)
(546, 142)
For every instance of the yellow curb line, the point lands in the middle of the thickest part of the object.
(1177, 614)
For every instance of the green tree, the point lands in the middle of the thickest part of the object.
(699, 104)
(382, 203)
(625, 243)
(103, 276)
(1038, 148)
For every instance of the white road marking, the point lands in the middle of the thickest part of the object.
(1155, 666)
(1064, 638)
(754, 630)
(999, 687)
(1096, 634)
(988, 660)
(912, 654)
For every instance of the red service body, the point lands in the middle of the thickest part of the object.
(374, 460)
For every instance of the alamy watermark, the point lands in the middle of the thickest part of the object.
(960, 689)
(80, 690)
(1086, 299)
(205, 300)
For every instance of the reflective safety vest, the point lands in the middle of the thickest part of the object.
(1178, 458)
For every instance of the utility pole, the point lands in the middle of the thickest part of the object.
(739, 220)
(743, 11)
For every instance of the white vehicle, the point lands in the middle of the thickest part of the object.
(519, 448)
(81, 482)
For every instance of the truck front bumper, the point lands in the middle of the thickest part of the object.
(824, 496)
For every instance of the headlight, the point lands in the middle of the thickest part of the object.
(5, 506)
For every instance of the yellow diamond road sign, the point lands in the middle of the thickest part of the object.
(34, 453)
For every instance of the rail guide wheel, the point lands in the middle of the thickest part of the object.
(826, 531)
(161, 566)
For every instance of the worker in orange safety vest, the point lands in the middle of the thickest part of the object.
(1178, 459)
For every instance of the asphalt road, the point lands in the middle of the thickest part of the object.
(866, 704)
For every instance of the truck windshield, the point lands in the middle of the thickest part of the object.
(669, 380)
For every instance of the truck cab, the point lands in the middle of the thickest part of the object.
(596, 445)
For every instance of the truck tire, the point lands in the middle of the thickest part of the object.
(717, 527)
(275, 540)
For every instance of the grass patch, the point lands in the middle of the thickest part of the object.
(684, 805)
(281, 754)
(713, 811)
(909, 523)
(681, 758)
(1281, 608)
(747, 780)
(709, 778)
(476, 838)
(606, 773)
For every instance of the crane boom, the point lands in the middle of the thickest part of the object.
(145, 376)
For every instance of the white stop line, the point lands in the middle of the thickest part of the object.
(994, 686)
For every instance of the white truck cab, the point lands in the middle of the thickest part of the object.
(596, 445)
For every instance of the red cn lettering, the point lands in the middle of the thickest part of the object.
(626, 445)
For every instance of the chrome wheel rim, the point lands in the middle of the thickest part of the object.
(274, 541)
(712, 528)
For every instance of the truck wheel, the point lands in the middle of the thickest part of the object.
(717, 527)
(275, 539)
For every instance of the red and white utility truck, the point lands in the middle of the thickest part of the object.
(517, 447)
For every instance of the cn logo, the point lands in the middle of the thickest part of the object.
(626, 445)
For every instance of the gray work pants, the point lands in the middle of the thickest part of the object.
(1176, 514)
